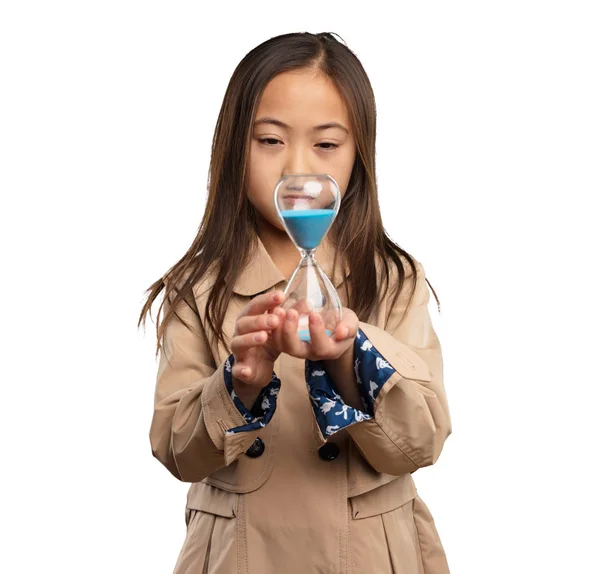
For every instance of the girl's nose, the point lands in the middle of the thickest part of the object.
(297, 162)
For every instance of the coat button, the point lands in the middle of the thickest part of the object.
(257, 448)
(329, 451)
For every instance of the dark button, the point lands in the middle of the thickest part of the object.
(329, 451)
(257, 448)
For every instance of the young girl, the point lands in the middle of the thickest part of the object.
(300, 455)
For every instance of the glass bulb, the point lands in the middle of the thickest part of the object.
(307, 205)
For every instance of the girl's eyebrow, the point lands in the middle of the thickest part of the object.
(280, 124)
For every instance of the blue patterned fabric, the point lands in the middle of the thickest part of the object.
(331, 412)
(371, 372)
(370, 369)
(265, 404)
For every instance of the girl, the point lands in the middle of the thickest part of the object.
(300, 456)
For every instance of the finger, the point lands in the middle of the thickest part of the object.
(320, 343)
(350, 321)
(262, 303)
(253, 323)
(290, 338)
(276, 334)
(342, 331)
(242, 372)
(241, 343)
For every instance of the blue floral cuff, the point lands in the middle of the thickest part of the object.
(370, 369)
(264, 407)
(371, 372)
(330, 410)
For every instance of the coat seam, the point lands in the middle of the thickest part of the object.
(398, 442)
(339, 537)
(387, 541)
(418, 538)
(242, 566)
(209, 545)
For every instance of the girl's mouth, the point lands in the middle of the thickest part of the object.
(299, 197)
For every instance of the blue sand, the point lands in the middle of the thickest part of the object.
(305, 334)
(308, 226)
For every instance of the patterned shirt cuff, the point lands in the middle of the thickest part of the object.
(331, 412)
(371, 370)
(264, 407)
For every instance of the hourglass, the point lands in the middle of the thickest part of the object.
(307, 205)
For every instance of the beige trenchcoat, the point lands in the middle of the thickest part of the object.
(289, 511)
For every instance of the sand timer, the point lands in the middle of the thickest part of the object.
(307, 205)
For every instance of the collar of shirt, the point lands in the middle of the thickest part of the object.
(261, 273)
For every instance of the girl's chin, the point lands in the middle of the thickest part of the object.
(271, 221)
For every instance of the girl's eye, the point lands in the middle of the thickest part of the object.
(333, 146)
(264, 140)
(274, 142)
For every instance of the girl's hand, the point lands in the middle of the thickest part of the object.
(254, 357)
(322, 347)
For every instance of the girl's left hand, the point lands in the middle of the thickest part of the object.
(322, 347)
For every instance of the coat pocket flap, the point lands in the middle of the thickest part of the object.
(384, 498)
(211, 499)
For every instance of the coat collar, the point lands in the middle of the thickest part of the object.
(261, 273)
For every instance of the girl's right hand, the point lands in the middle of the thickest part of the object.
(254, 356)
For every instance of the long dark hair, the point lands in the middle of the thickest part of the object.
(357, 233)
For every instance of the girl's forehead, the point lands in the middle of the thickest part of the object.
(302, 95)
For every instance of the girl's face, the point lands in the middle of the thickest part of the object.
(287, 138)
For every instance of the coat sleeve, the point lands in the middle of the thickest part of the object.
(411, 417)
(399, 372)
(199, 425)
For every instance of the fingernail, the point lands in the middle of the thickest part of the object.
(275, 297)
(272, 321)
(345, 331)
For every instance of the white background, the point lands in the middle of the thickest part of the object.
(488, 170)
